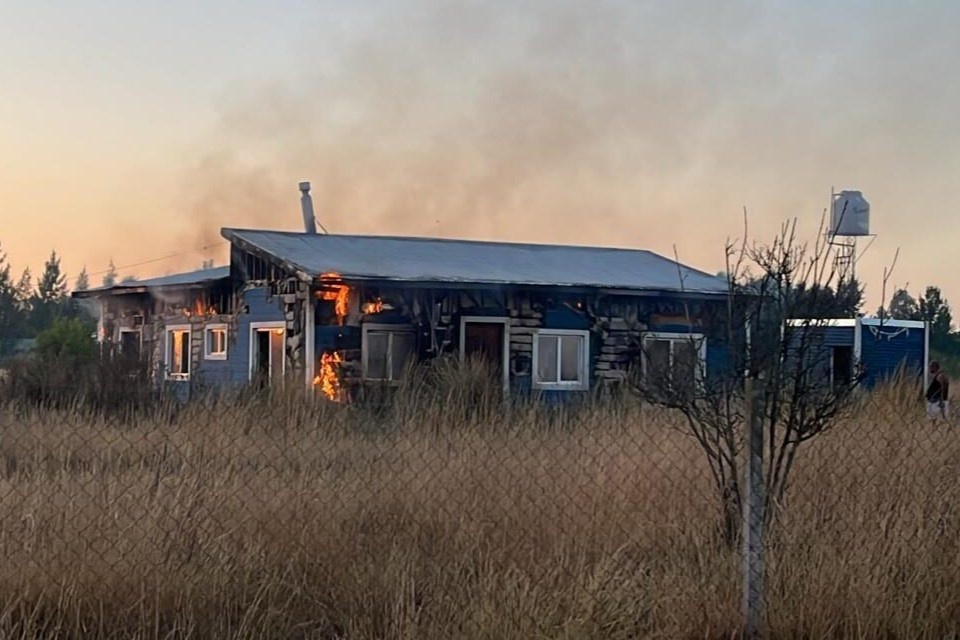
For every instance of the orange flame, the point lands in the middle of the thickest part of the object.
(328, 379)
(340, 294)
(200, 310)
(373, 307)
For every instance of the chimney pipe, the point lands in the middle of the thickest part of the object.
(306, 205)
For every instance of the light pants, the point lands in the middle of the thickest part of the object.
(934, 410)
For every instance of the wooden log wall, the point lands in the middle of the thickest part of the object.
(525, 318)
(619, 335)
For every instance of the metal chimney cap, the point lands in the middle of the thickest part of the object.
(305, 186)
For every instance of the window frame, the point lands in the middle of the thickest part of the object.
(673, 337)
(207, 330)
(583, 374)
(168, 332)
(388, 329)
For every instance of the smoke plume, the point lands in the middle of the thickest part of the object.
(643, 124)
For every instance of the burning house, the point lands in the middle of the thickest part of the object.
(339, 313)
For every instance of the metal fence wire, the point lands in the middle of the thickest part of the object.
(448, 512)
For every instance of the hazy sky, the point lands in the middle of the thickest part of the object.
(136, 130)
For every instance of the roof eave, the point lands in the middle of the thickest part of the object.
(579, 288)
(251, 248)
(134, 289)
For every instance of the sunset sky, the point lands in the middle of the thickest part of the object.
(135, 130)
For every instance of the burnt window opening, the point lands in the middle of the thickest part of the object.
(177, 353)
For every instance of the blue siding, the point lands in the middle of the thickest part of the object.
(260, 307)
(814, 344)
(838, 336)
(884, 350)
(214, 372)
(329, 338)
(563, 317)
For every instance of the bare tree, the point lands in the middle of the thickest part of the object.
(781, 297)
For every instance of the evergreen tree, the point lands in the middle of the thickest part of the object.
(10, 316)
(49, 301)
(110, 278)
(83, 280)
(24, 295)
(935, 310)
(821, 301)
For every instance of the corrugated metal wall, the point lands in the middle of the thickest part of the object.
(884, 350)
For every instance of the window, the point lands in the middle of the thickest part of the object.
(177, 358)
(215, 342)
(387, 350)
(560, 359)
(674, 361)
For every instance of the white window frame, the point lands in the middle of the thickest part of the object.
(365, 351)
(583, 383)
(207, 330)
(673, 338)
(168, 332)
(256, 327)
(123, 330)
(465, 320)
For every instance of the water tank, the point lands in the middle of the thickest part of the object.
(850, 215)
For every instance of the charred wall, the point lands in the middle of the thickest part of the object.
(616, 324)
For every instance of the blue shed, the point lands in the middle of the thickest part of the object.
(882, 347)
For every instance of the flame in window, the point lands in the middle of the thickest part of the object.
(199, 309)
(337, 292)
(373, 307)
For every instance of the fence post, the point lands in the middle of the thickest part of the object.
(753, 511)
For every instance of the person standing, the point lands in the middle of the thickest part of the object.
(938, 393)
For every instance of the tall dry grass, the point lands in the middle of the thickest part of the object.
(447, 514)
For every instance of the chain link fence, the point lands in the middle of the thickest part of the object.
(448, 513)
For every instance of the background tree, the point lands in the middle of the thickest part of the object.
(10, 315)
(50, 299)
(934, 309)
(110, 277)
(83, 280)
(903, 306)
(24, 295)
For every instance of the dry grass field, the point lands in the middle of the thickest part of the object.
(450, 516)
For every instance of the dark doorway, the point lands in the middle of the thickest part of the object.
(263, 355)
(130, 345)
(268, 354)
(842, 366)
(485, 340)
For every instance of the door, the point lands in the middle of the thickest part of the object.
(842, 366)
(486, 340)
(130, 345)
(267, 346)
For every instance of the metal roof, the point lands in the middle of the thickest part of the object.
(186, 279)
(436, 260)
